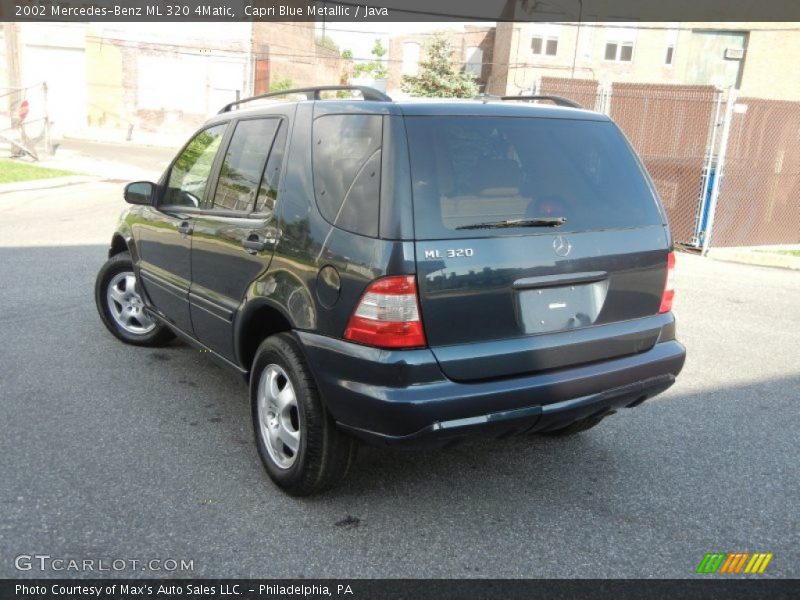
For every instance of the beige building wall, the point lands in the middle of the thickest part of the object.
(772, 66)
(769, 63)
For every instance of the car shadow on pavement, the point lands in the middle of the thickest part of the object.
(693, 444)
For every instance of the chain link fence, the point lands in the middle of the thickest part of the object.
(759, 196)
(585, 92)
(724, 167)
(671, 128)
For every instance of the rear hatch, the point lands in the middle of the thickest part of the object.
(540, 243)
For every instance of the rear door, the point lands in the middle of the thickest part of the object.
(234, 236)
(577, 276)
(164, 233)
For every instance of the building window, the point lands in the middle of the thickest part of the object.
(672, 40)
(544, 46)
(473, 65)
(544, 38)
(410, 58)
(619, 52)
(620, 38)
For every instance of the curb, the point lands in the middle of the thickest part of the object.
(42, 184)
(761, 259)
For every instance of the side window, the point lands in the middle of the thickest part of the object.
(241, 171)
(189, 176)
(268, 192)
(347, 170)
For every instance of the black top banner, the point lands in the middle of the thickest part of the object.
(397, 589)
(400, 10)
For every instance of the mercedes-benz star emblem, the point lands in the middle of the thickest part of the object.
(561, 245)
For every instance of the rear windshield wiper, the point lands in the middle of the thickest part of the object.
(544, 222)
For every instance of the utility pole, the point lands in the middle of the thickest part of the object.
(577, 39)
(13, 69)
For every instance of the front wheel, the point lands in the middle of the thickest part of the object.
(121, 307)
(302, 450)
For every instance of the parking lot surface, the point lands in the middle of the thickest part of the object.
(117, 452)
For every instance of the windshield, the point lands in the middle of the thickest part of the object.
(468, 171)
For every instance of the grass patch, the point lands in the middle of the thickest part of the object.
(12, 171)
(788, 252)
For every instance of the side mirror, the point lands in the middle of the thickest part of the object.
(139, 192)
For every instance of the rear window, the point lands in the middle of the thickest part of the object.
(471, 170)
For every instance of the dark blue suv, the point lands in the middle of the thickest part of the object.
(402, 271)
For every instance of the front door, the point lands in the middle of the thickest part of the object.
(234, 236)
(164, 234)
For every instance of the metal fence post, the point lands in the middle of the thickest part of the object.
(707, 183)
(608, 89)
(720, 171)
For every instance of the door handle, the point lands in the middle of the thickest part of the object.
(185, 228)
(254, 244)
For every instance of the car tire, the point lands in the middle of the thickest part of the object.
(574, 428)
(121, 308)
(302, 449)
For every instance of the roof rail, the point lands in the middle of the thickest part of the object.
(313, 93)
(559, 100)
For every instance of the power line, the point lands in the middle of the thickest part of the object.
(730, 26)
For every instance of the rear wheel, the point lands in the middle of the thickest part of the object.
(121, 306)
(302, 450)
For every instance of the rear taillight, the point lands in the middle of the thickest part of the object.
(387, 316)
(669, 285)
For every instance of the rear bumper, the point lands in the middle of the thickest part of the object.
(387, 396)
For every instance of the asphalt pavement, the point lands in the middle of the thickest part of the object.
(117, 452)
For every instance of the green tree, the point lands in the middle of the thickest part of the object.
(328, 42)
(437, 77)
(281, 85)
(378, 50)
(376, 68)
(347, 54)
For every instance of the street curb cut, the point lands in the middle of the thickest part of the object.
(42, 184)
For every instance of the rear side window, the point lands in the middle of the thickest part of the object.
(347, 170)
(268, 192)
(240, 175)
(471, 170)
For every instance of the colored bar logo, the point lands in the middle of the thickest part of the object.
(734, 562)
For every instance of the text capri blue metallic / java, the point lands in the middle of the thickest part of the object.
(403, 271)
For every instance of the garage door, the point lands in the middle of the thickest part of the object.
(64, 70)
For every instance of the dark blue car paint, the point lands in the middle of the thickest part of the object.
(480, 369)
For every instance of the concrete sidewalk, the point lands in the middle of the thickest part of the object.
(92, 161)
(764, 256)
(43, 184)
(105, 161)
